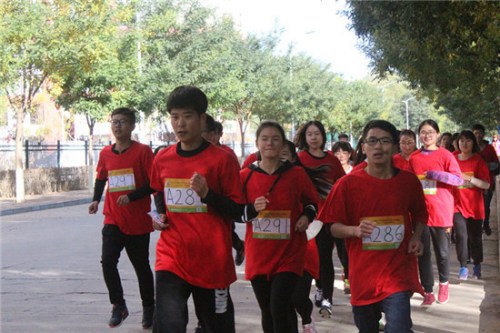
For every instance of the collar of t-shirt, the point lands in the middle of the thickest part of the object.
(316, 157)
(113, 148)
(190, 153)
(285, 165)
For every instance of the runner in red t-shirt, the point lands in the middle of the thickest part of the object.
(469, 205)
(311, 140)
(408, 144)
(276, 240)
(125, 166)
(381, 212)
(193, 253)
(488, 153)
(438, 171)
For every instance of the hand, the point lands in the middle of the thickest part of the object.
(93, 207)
(123, 200)
(302, 223)
(466, 177)
(260, 204)
(364, 229)
(161, 223)
(415, 246)
(198, 183)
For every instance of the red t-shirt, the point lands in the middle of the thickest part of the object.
(229, 150)
(197, 244)
(271, 243)
(360, 166)
(250, 159)
(490, 156)
(469, 198)
(438, 195)
(379, 268)
(333, 168)
(400, 162)
(125, 173)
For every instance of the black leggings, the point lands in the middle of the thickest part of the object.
(325, 242)
(275, 301)
(468, 231)
(301, 301)
(441, 246)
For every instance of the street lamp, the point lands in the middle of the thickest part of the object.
(406, 105)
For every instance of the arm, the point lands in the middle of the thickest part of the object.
(476, 182)
(364, 229)
(98, 191)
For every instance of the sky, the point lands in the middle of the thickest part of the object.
(314, 27)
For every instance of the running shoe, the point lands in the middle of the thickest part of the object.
(463, 274)
(240, 255)
(428, 299)
(326, 309)
(118, 315)
(309, 328)
(347, 287)
(318, 297)
(476, 272)
(147, 316)
(443, 296)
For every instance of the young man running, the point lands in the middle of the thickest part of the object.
(125, 165)
(381, 212)
(193, 254)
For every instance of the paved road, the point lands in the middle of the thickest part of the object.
(52, 282)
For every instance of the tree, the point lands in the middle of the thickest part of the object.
(447, 49)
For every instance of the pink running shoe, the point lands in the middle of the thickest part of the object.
(428, 299)
(443, 293)
(310, 328)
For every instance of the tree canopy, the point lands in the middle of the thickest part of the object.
(448, 49)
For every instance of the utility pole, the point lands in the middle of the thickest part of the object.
(407, 115)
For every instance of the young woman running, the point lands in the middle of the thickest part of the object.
(438, 171)
(276, 239)
(408, 144)
(469, 207)
(311, 140)
(344, 152)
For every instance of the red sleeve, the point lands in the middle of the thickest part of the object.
(334, 210)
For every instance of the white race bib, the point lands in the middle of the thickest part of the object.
(272, 224)
(387, 235)
(180, 198)
(121, 180)
(429, 185)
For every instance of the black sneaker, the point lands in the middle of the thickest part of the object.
(487, 230)
(147, 316)
(118, 315)
(240, 255)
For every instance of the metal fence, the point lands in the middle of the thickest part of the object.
(66, 154)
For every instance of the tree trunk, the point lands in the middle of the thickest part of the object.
(241, 124)
(91, 124)
(20, 193)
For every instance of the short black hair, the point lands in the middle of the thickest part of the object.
(383, 125)
(343, 135)
(210, 124)
(129, 113)
(218, 127)
(470, 136)
(479, 127)
(187, 97)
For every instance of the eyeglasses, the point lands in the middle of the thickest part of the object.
(428, 133)
(120, 122)
(372, 141)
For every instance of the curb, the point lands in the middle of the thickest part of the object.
(33, 208)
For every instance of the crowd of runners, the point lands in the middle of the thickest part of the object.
(380, 205)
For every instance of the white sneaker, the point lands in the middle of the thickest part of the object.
(326, 309)
(318, 297)
(310, 328)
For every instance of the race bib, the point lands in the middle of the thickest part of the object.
(467, 184)
(387, 235)
(180, 198)
(272, 224)
(121, 180)
(429, 185)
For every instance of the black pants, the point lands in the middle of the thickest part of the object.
(237, 242)
(468, 231)
(275, 301)
(325, 242)
(214, 307)
(487, 195)
(137, 247)
(301, 301)
(441, 246)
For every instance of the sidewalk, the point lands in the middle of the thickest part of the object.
(42, 202)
